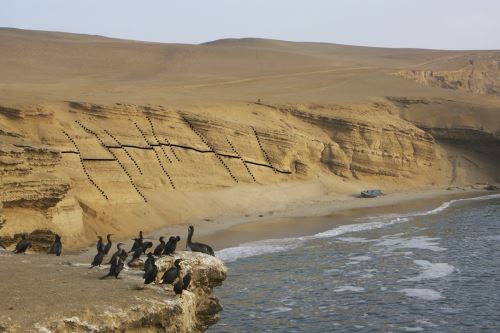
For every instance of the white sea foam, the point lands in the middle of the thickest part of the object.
(360, 227)
(431, 270)
(349, 288)
(280, 309)
(361, 258)
(419, 242)
(413, 329)
(357, 259)
(425, 294)
(426, 323)
(354, 239)
(278, 245)
(259, 248)
(447, 204)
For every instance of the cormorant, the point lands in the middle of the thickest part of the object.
(56, 247)
(117, 264)
(136, 255)
(140, 250)
(150, 275)
(119, 252)
(100, 254)
(99, 245)
(108, 245)
(171, 245)
(160, 247)
(137, 242)
(145, 246)
(172, 273)
(197, 247)
(186, 280)
(22, 245)
(97, 259)
(178, 287)
(149, 262)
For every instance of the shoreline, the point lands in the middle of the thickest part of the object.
(322, 214)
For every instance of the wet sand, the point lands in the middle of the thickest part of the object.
(310, 218)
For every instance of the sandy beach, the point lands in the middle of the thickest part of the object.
(320, 214)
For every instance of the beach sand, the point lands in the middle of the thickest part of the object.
(310, 217)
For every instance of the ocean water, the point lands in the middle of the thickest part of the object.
(432, 271)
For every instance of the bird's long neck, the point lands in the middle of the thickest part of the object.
(190, 236)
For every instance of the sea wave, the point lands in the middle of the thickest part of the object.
(431, 271)
(267, 246)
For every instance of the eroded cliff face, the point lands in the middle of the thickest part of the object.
(358, 146)
(481, 76)
(124, 305)
(78, 169)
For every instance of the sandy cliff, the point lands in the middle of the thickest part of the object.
(110, 136)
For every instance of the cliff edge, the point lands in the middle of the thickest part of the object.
(64, 296)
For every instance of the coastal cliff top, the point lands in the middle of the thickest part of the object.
(60, 294)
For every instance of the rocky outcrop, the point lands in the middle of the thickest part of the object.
(481, 76)
(159, 311)
(26, 176)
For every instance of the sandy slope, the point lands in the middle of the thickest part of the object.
(331, 119)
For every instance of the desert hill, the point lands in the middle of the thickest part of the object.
(103, 135)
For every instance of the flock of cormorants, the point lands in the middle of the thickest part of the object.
(117, 262)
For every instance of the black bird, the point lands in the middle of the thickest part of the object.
(149, 262)
(160, 247)
(119, 252)
(117, 264)
(97, 259)
(172, 273)
(171, 245)
(136, 255)
(100, 254)
(108, 245)
(22, 245)
(178, 287)
(123, 254)
(140, 250)
(197, 247)
(145, 246)
(137, 242)
(99, 245)
(56, 247)
(186, 280)
(150, 275)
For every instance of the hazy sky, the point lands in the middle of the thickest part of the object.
(445, 24)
